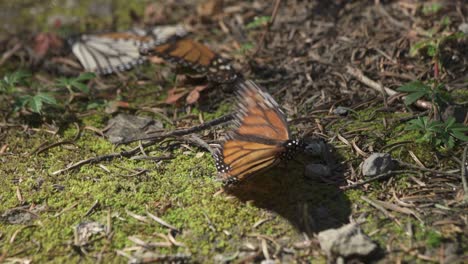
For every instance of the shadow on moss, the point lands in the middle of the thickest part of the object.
(309, 204)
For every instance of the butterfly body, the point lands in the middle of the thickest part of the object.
(260, 140)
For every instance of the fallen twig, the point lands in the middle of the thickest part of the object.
(10, 53)
(161, 222)
(44, 147)
(375, 178)
(359, 75)
(402, 163)
(377, 205)
(107, 157)
(267, 28)
(463, 175)
(185, 131)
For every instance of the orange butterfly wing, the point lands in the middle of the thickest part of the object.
(260, 115)
(245, 158)
(262, 136)
(189, 53)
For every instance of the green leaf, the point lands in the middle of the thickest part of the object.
(413, 97)
(46, 98)
(450, 143)
(9, 81)
(86, 76)
(82, 87)
(419, 46)
(415, 86)
(459, 135)
(432, 50)
(431, 8)
(417, 124)
(257, 22)
(35, 104)
(449, 122)
(63, 82)
(23, 100)
(445, 21)
(459, 127)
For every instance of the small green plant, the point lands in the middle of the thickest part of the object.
(417, 90)
(10, 81)
(245, 48)
(9, 86)
(35, 102)
(77, 82)
(258, 22)
(432, 46)
(431, 8)
(439, 133)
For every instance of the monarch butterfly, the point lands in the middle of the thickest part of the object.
(190, 53)
(260, 140)
(119, 51)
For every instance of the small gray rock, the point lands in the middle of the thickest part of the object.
(17, 217)
(377, 163)
(125, 127)
(463, 27)
(341, 111)
(84, 231)
(346, 241)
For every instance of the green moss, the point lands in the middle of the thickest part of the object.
(95, 120)
(460, 95)
(354, 195)
(223, 109)
(433, 239)
(185, 183)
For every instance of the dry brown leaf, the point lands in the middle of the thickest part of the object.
(114, 106)
(174, 95)
(154, 14)
(43, 42)
(210, 8)
(194, 95)
(156, 60)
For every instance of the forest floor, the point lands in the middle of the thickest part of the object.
(327, 63)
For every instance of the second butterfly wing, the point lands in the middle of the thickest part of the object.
(261, 137)
(120, 51)
(109, 53)
(190, 53)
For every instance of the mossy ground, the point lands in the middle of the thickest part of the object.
(183, 191)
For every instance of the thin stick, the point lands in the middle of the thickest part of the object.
(106, 157)
(186, 131)
(425, 169)
(10, 53)
(152, 141)
(377, 205)
(267, 28)
(359, 75)
(375, 178)
(463, 175)
(42, 148)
